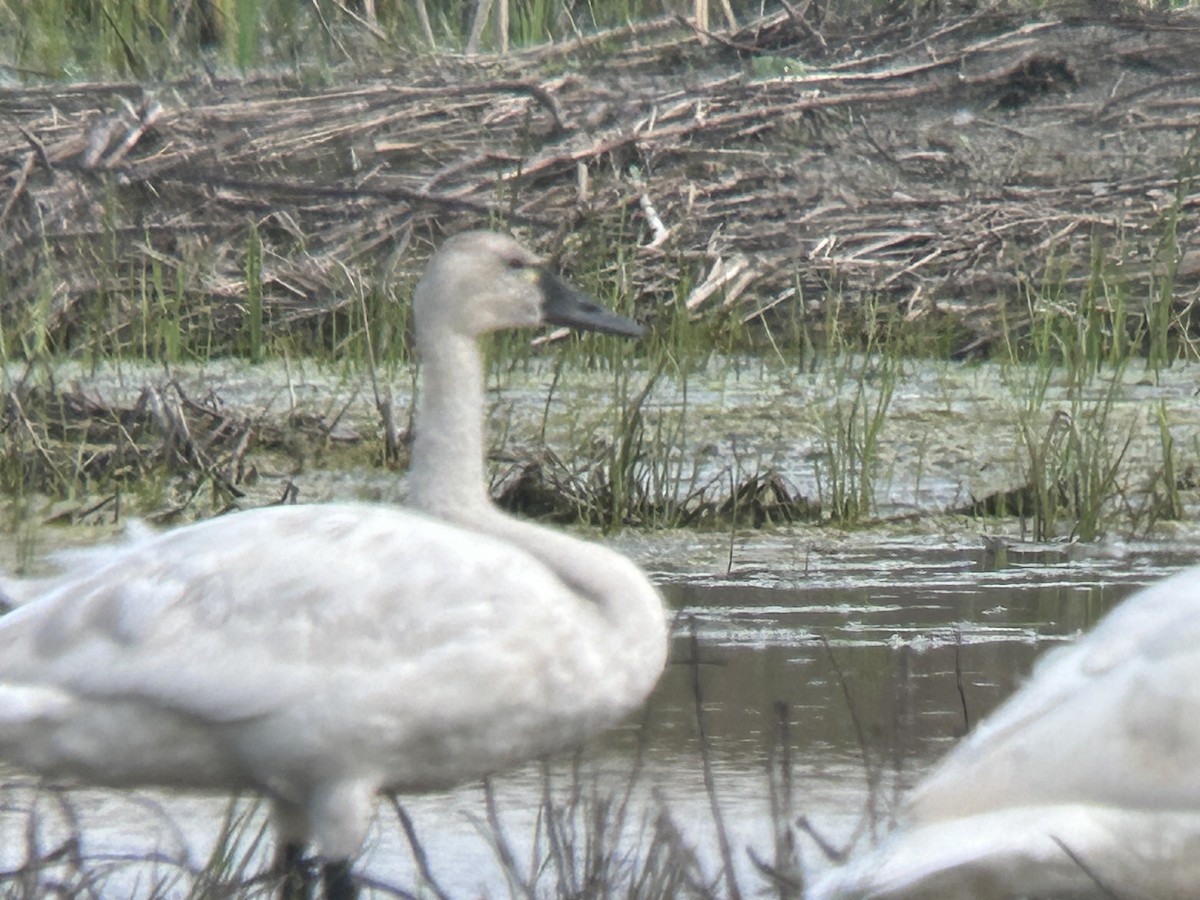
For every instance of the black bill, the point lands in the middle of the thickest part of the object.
(564, 304)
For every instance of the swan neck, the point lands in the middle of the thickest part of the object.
(446, 469)
(446, 480)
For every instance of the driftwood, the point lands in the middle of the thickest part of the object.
(948, 168)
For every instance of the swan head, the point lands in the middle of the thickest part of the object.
(481, 281)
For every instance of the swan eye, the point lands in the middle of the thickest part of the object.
(531, 273)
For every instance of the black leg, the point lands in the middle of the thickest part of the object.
(339, 883)
(296, 881)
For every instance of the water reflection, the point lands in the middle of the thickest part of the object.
(874, 659)
(918, 644)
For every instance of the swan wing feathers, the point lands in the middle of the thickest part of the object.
(1114, 717)
(354, 600)
(16, 591)
(1070, 850)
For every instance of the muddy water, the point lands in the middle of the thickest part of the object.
(871, 648)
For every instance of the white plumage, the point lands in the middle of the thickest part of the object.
(320, 654)
(1086, 783)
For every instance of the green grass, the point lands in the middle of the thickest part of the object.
(163, 39)
(850, 429)
(859, 365)
(159, 39)
(1067, 370)
(252, 330)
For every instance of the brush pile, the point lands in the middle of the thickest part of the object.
(948, 170)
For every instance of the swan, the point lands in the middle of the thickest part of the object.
(321, 654)
(1085, 783)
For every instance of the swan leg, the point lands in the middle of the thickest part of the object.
(296, 881)
(339, 883)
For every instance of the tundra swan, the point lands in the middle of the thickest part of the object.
(1085, 783)
(319, 654)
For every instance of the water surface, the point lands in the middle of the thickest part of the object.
(871, 655)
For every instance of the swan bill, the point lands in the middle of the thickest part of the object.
(564, 304)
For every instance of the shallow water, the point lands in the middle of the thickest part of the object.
(863, 636)
(951, 433)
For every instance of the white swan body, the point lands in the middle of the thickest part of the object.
(320, 654)
(1088, 776)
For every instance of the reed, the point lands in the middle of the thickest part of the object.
(859, 374)
(252, 317)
